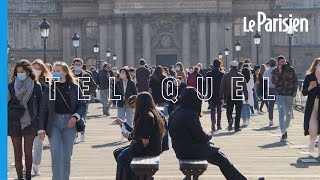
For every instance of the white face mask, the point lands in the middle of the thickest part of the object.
(318, 69)
(178, 68)
(191, 70)
(37, 72)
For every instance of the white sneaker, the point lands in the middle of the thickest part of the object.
(270, 123)
(245, 123)
(82, 138)
(36, 170)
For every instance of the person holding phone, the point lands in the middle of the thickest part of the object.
(58, 117)
(147, 135)
(311, 89)
(286, 83)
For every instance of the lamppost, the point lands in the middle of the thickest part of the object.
(114, 58)
(226, 53)
(96, 48)
(8, 48)
(44, 29)
(238, 49)
(226, 30)
(220, 55)
(76, 43)
(257, 38)
(108, 54)
(290, 33)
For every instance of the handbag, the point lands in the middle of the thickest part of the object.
(15, 109)
(80, 124)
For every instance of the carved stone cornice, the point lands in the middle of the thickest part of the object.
(202, 16)
(117, 18)
(146, 18)
(129, 18)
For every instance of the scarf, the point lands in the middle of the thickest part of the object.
(23, 91)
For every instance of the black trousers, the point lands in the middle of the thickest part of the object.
(230, 106)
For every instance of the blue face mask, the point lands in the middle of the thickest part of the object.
(57, 75)
(77, 68)
(133, 74)
(21, 76)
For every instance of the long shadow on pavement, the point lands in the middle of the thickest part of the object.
(108, 144)
(300, 164)
(267, 128)
(273, 145)
(224, 134)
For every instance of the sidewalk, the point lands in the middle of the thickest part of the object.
(255, 151)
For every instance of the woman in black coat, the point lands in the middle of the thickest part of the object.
(311, 89)
(23, 117)
(189, 141)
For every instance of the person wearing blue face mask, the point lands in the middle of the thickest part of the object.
(23, 114)
(58, 117)
(85, 83)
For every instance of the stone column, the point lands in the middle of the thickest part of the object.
(186, 41)
(202, 40)
(130, 61)
(66, 40)
(214, 36)
(117, 20)
(24, 33)
(146, 39)
(103, 38)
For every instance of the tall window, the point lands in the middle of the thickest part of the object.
(36, 36)
(238, 27)
(11, 30)
(91, 33)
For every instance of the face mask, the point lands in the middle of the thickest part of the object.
(37, 72)
(133, 74)
(122, 76)
(57, 75)
(318, 69)
(77, 68)
(283, 67)
(178, 68)
(191, 70)
(21, 76)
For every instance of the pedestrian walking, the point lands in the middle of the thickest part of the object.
(189, 141)
(143, 75)
(245, 112)
(125, 88)
(58, 117)
(230, 94)
(286, 83)
(41, 73)
(311, 88)
(104, 85)
(88, 86)
(215, 102)
(23, 114)
(270, 90)
(180, 71)
(261, 87)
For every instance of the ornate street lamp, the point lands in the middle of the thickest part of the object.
(114, 58)
(76, 43)
(226, 53)
(44, 29)
(290, 33)
(238, 49)
(220, 55)
(257, 39)
(96, 48)
(108, 54)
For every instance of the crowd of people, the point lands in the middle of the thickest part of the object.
(148, 117)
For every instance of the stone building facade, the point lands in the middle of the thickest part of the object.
(161, 31)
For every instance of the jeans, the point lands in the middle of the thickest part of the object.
(245, 112)
(85, 117)
(61, 146)
(166, 109)
(285, 108)
(227, 169)
(127, 114)
(123, 157)
(230, 106)
(272, 91)
(37, 150)
(104, 98)
(255, 99)
(213, 109)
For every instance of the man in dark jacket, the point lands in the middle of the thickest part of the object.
(215, 102)
(143, 75)
(232, 88)
(103, 82)
(286, 83)
(189, 141)
(87, 84)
